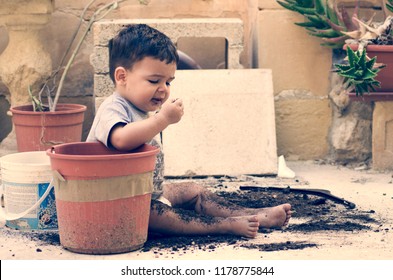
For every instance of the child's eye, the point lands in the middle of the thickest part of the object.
(168, 84)
(153, 81)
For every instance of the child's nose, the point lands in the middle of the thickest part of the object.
(163, 88)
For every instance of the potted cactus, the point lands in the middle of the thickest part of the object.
(38, 126)
(339, 29)
(359, 73)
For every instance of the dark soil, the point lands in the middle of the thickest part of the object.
(321, 213)
(326, 215)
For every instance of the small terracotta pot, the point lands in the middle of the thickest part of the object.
(38, 131)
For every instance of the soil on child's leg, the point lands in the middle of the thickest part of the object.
(176, 221)
(208, 203)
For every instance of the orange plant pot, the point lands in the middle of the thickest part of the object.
(384, 54)
(102, 196)
(38, 131)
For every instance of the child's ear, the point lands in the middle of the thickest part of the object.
(120, 75)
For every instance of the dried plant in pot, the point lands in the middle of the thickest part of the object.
(338, 28)
(39, 126)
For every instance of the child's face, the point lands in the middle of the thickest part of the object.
(147, 84)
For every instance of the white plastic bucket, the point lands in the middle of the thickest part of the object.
(26, 181)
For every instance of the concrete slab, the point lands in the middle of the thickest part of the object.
(228, 126)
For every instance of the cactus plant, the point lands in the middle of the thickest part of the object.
(389, 5)
(324, 20)
(359, 74)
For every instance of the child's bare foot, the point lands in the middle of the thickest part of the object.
(277, 216)
(246, 226)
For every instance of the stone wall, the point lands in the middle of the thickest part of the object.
(312, 119)
(300, 66)
(301, 70)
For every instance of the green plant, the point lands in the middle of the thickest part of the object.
(336, 27)
(51, 87)
(389, 5)
(359, 74)
(324, 19)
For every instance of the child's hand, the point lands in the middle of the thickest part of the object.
(172, 111)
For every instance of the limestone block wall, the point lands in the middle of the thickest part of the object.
(304, 88)
(300, 66)
(301, 70)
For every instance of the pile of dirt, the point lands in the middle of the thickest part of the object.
(321, 212)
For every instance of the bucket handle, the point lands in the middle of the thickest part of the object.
(8, 217)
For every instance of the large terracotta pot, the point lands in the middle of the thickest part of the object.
(102, 196)
(384, 54)
(38, 131)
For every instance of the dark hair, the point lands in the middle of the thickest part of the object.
(137, 41)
